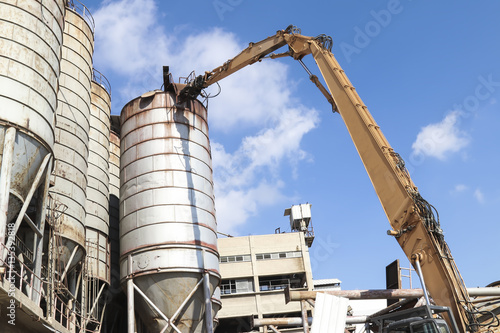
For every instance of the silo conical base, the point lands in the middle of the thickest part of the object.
(29, 153)
(168, 291)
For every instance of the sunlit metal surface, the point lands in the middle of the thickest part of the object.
(31, 35)
(71, 135)
(97, 205)
(330, 314)
(167, 213)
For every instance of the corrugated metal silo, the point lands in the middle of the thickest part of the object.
(31, 34)
(167, 213)
(97, 214)
(71, 136)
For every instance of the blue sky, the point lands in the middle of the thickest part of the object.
(428, 71)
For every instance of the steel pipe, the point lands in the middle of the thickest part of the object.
(5, 179)
(298, 295)
(209, 324)
(130, 297)
(297, 321)
(274, 329)
(305, 319)
(486, 291)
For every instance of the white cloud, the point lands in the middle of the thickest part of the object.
(132, 44)
(460, 188)
(478, 194)
(236, 206)
(128, 39)
(440, 139)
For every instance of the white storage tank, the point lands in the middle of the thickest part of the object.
(167, 213)
(97, 205)
(31, 34)
(72, 135)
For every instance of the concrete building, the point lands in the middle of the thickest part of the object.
(255, 271)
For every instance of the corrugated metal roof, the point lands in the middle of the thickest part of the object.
(323, 282)
(329, 314)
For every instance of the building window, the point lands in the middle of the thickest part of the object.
(236, 286)
(278, 284)
(270, 283)
(278, 255)
(245, 257)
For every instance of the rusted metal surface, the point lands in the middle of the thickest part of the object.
(83, 11)
(298, 295)
(488, 305)
(32, 33)
(72, 134)
(30, 39)
(281, 322)
(167, 213)
(305, 322)
(97, 204)
(5, 180)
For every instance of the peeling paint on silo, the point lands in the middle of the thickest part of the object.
(71, 135)
(167, 212)
(31, 34)
(97, 205)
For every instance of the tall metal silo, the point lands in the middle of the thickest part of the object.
(31, 34)
(97, 205)
(168, 240)
(72, 138)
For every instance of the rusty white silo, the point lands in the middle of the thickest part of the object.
(31, 34)
(72, 136)
(168, 240)
(97, 205)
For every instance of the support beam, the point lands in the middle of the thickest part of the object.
(274, 329)
(181, 307)
(97, 299)
(153, 305)
(41, 215)
(27, 201)
(130, 297)
(69, 263)
(305, 321)
(5, 179)
(32, 225)
(209, 325)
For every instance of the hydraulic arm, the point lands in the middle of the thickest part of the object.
(412, 218)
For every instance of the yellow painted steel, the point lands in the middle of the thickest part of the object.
(418, 235)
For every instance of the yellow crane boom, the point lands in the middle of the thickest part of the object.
(410, 216)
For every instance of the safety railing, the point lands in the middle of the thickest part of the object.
(23, 279)
(99, 78)
(278, 284)
(83, 11)
(70, 317)
(20, 276)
